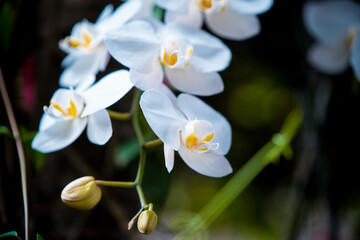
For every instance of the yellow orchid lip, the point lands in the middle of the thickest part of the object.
(84, 42)
(176, 53)
(68, 112)
(212, 5)
(193, 143)
(204, 4)
(198, 140)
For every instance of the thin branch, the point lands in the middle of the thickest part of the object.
(19, 147)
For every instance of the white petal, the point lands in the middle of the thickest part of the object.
(68, 60)
(99, 129)
(328, 59)
(329, 22)
(355, 57)
(210, 54)
(251, 6)
(106, 12)
(166, 90)
(150, 80)
(190, 81)
(62, 97)
(83, 68)
(162, 117)
(209, 163)
(125, 12)
(59, 135)
(195, 108)
(46, 121)
(106, 91)
(193, 17)
(169, 157)
(134, 45)
(173, 5)
(231, 25)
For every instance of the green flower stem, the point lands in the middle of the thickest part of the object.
(141, 195)
(116, 184)
(119, 116)
(140, 137)
(20, 150)
(234, 187)
(152, 144)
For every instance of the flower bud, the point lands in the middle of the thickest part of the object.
(82, 194)
(147, 222)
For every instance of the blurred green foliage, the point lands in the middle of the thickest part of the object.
(7, 21)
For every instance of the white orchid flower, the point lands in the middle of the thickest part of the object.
(189, 57)
(230, 19)
(70, 111)
(86, 52)
(335, 26)
(186, 124)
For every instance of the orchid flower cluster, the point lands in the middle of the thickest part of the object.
(161, 56)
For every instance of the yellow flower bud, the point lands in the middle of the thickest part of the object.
(147, 222)
(82, 194)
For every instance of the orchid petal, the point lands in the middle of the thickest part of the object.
(328, 59)
(149, 80)
(209, 163)
(162, 117)
(193, 17)
(106, 12)
(134, 45)
(82, 69)
(59, 135)
(46, 121)
(329, 22)
(173, 5)
(251, 6)
(62, 97)
(106, 91)
(231, 25)
(194, 108)
(169, 157)
(210, 54)
(355, 57)
(190, 81)
(99, 129)
(125, 12)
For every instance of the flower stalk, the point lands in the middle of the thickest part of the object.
(140, 137)
(151, 144)
(115, 184)
(119, 116)
(20, 150)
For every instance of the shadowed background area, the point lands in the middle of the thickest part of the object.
(313, 196)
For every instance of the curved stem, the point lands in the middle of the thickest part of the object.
(140, 137)
(19, 148)
(152, 144)
(119, 116)
(116, 184)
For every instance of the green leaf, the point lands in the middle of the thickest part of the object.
(4, 130)
(7, 22)
(10, 234)
(38, 237)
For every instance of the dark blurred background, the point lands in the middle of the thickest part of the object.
(313, 196)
